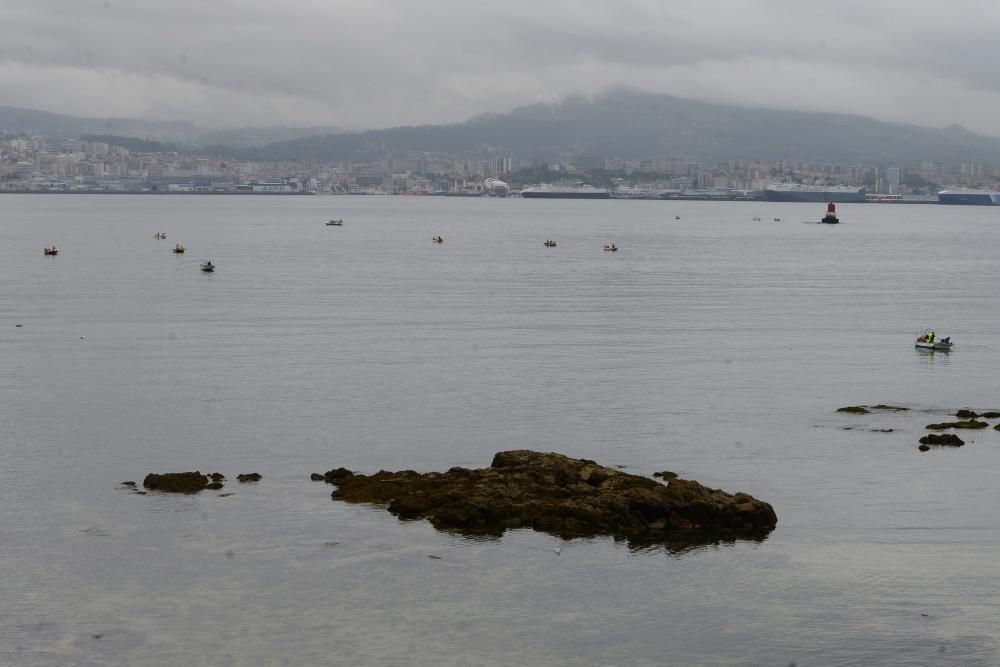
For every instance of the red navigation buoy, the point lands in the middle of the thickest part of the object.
(831, 214)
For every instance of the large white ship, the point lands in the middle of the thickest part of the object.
(840, 194)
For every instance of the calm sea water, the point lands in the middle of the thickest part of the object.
(712, 345)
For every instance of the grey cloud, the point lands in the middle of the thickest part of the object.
(366, 63)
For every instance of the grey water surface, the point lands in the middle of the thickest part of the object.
(711, 345)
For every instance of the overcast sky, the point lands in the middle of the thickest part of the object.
(376, 63)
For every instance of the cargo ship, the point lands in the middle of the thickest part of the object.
(969, 197)
(572, 192)
(840, 194)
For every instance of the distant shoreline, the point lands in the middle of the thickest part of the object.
(144, 192)
(366, 194)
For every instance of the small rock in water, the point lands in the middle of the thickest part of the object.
(249, 477)
(213, 486)
(855, 409)
(128, 483)
(218, 477)
(666, 474)
(924, 448)
(316, 477)
(943, 440)
(177, 482)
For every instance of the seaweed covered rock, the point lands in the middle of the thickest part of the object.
(177, 482)
(972, 424)
(563, 496)
(855, 409)
(943, 440)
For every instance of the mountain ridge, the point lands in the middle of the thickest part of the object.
(623, 124)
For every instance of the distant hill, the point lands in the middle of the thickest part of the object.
(620, 124)
(30, 121)
(635, 125)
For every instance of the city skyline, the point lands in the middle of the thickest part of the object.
(382, 64)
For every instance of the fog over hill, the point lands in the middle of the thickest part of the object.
(634, 125)
(622, 124)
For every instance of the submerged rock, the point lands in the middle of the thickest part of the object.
(888, 408)
(249, 477)
(944, 440)
(855, 409)
(176, 482)
(563, 496)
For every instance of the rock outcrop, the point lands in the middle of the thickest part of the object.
(563, 496)
(249, 477)
(178, 482)
(972, 424)
(943, 440)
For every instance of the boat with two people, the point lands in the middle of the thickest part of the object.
(549, 243)
(610, 247)
(51, 252)
(335, 223)
(930, 341)
(437, 239)
(178, 249)
(208, 267)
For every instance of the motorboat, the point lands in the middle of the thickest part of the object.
(610, 247)
(208, 267)
(335, 223)
(929, 341)
(549, 244)
(437, 239)
(159, 235)
(178, 249)
(51, 252)
(831, 215)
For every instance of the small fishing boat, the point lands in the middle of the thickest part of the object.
(610, 247)
(549, 244)
(437, 239)
(51, 252)
(208, 267)
(335, 223)
(159, 235)
(178, 249)
(929, 341)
